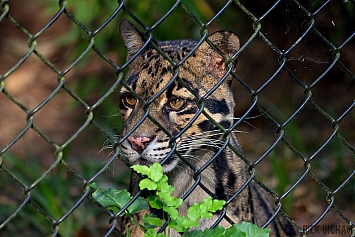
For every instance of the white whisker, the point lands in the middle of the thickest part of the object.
(244, 132)
(193, 145)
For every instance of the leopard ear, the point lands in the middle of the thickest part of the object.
(132, 37)
(227, 42)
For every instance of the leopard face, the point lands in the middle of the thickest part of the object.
(165, 108)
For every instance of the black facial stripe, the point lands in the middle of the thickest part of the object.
(169, 91)
(134, 85)
(217, 106)
(225, 124)
(132, 79)
(122, 107)
(206, 125)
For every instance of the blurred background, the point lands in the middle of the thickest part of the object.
(287, 64)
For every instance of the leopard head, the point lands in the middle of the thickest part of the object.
(162, 103)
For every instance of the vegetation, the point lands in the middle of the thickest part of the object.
(157, 182)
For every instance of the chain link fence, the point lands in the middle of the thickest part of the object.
(61, 68)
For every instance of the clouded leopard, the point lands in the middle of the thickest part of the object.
(176, 126)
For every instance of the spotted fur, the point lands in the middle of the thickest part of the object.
(178, 103)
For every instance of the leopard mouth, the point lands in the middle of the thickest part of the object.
(168, 165)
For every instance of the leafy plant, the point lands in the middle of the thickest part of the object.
(157, 182)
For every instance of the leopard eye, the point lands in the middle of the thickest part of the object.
(129, 100)
(177, 103)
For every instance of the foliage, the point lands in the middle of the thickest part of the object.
(49, 194)
(157, 182)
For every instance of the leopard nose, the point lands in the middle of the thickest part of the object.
(140, 143)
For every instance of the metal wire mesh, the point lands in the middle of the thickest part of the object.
(289, 60)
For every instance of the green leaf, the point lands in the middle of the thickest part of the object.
(177, 202)
(175, 226)
(115, 200)
(111, 197)
(194, 212)
(156, 172)
(114, 209)
(217, 205)
(172, 212)
(163, 180)
(170, 200)
(94, 185)
(231, 232)
(195, 233)
(164, 187)
(152, 220)
(138, 205)
(155, 202)
(217, 231)
(150, 233)
(148, 184)
(166, 198)
(153, 233)
(205, 209)
(206, 215)
(207, 203)
(182, 224)
(250, 229)
(142, 169)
